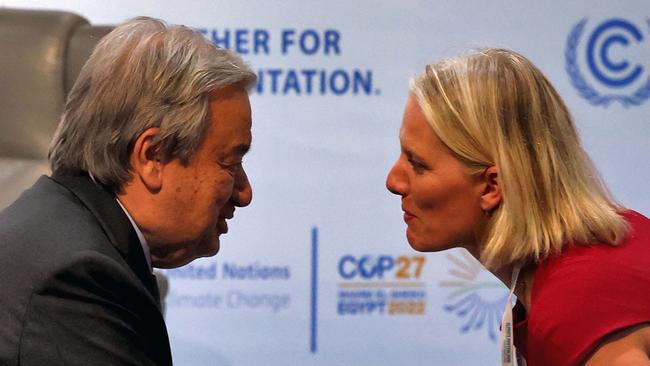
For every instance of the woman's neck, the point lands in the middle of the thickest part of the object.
(524, 286)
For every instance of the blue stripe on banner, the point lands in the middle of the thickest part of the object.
(314, 287)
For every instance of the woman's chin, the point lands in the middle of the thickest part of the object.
(421, 244)
(416, 242)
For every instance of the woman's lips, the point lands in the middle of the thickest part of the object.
(408, 216)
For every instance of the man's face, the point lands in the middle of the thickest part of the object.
(198, 197)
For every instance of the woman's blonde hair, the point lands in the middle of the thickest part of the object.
(493, 107)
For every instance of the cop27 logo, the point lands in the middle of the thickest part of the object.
(381, 285)
(611, 56)
(368, 267)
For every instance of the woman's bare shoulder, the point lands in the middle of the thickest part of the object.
(628, 347)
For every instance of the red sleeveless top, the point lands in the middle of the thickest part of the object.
(585, 294)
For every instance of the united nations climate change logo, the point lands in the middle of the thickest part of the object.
(475, 296)
(611, 63)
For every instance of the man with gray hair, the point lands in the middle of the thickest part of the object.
(146, 169)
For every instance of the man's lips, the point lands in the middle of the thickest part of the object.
(222, 225)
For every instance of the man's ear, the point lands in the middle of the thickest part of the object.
(146, 162)
(492, 193)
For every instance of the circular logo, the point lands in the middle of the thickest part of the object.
(608, 57)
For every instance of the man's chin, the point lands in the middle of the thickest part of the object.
(210, 250)
(186, 254)
(171, 261)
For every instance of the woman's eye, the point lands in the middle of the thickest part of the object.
(417, 165)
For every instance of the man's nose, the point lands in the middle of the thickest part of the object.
(242, 194)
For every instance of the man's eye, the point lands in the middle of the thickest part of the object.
(231, 166)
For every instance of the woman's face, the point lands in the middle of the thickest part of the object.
(440, 200)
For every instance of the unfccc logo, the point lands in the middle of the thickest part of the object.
(613, 54)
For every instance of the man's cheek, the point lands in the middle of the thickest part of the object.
(220, 200)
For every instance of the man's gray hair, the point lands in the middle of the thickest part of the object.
(143, 74)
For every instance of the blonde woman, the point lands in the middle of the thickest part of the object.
(491, 161)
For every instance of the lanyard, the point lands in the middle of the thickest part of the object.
(508, 350)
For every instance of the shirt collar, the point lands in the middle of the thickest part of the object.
(143, 241)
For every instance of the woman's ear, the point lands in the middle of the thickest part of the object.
(146, 162)
(492, 193)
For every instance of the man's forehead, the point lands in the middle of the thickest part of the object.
(236, 142)
(225, 92)
(231, 103)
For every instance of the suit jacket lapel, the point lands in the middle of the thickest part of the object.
(114, 222)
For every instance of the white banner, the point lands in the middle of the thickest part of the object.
(317, 271)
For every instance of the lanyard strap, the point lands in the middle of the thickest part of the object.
(508, 350)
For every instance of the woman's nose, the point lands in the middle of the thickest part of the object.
(396, 180)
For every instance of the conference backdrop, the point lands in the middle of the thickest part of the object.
(317, 271)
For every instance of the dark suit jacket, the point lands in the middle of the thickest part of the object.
(75, 287)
